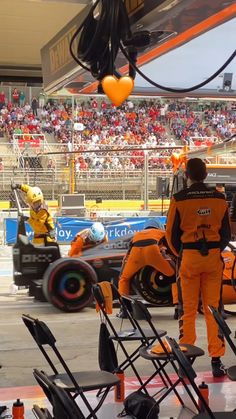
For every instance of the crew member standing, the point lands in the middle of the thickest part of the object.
(40, 218)
(233, 216)
(197, 231)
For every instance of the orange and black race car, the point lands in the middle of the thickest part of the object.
(67, 282)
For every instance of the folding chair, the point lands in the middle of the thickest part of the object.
(225, 330)
(76, 383)
(164, 358)
(190, 374)
(64, 406)
(124, 336)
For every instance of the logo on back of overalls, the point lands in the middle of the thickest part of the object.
(204, 211)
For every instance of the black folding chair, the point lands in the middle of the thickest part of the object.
(226, 331)
(63, 405)
(122, 337)
(164, 358)
(190, 374)
(76, 383)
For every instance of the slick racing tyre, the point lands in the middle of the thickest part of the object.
(67, 284)
(153, 286)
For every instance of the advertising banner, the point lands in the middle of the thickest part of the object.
(67, 228)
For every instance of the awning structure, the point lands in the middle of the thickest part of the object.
(187, 19)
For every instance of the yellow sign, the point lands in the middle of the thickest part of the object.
(60, 53)
(133, 6)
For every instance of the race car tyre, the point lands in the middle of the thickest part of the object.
(153, 287)
(67, 284)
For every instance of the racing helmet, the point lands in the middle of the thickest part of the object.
(35, 197)
(96, 232)
(153, 223)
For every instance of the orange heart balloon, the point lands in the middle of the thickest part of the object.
(117, 89)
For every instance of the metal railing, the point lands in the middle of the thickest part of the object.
(28, 147)
(110, 184)
(196, 142)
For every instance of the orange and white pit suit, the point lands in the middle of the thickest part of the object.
(145, 251)
(198, 230)
(82, 242)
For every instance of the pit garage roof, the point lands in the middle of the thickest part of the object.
(28, 25)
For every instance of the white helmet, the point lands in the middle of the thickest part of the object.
(96, 232)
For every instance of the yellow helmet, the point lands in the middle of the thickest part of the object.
(35, 197)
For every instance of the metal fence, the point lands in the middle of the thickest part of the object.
(120, 183)
(107, 184)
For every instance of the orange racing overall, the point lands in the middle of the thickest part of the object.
(82, 242)
(198, 230)
(144, 251)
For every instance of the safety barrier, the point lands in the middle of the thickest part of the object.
(67, 228)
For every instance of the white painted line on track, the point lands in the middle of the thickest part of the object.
(63, 320)
(13, 306)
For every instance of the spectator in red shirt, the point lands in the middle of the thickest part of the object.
(2, 99)
(15, 97)
(103, 105)
(94, 104)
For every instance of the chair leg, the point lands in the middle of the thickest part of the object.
(168, 388)
(95, 410)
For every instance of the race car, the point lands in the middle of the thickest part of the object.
(67, 282)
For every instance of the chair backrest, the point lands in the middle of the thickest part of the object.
(99, 298)
(188, 370)
(182, 360)
(141, 308)
(223, 326)
(41, 413)
(64, 407)
(43, 336)
(39, 330)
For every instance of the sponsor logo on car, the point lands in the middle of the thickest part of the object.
(40, 258)
(116, 245)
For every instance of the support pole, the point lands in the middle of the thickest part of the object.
(72, 156)
(145, 180)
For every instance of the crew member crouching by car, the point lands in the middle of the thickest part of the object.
(147, 248)
(88, 238)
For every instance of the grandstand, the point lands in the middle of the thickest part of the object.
(30, 143)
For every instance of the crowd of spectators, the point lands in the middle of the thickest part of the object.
(223, 122)
(96, 125)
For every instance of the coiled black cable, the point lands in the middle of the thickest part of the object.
(171, 89)
(100, 41)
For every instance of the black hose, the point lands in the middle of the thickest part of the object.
(171, 89)
(101, 39)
